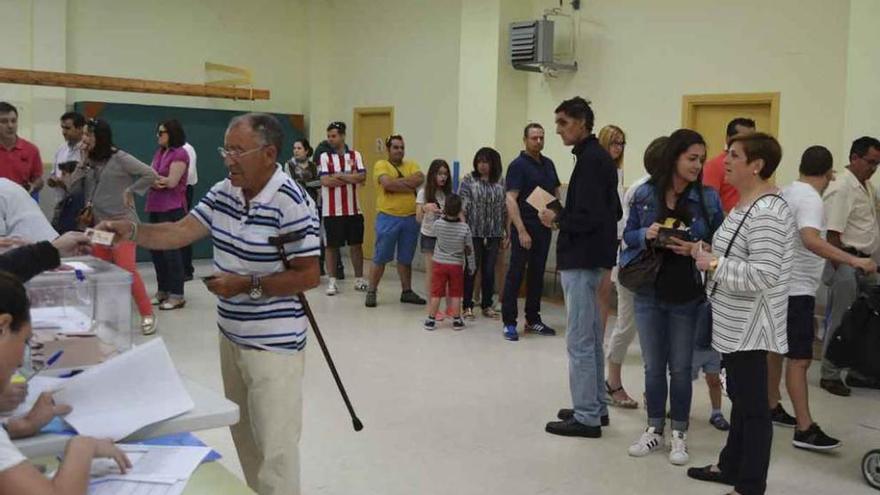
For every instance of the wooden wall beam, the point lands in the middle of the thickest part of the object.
(82, 81)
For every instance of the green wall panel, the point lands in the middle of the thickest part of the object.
(134, 130)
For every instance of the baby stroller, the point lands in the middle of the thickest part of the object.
(871, 468)
(856, 345)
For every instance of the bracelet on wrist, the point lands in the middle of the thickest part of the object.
(134, 231)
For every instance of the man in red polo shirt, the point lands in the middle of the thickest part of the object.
(713, 170)
(20, 160)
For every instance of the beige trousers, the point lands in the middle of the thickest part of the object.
(625, 330)
(267, 387)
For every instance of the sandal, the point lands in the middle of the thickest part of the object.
(159, 298)
(172, 304)
(628, 403)
(148, 325)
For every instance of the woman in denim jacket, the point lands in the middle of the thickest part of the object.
(666, 309)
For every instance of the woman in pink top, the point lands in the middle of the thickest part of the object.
(167, 203)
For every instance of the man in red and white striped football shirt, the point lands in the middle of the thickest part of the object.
(342, 173)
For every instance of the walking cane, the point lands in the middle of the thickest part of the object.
(279, 243)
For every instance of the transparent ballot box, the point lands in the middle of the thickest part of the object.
(82, 308)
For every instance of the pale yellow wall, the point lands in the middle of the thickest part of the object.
(442, 64)
(512, 85)
(18, 51)
(638, 57)
(160, 39)
(863, 77)
(400, 53)
(171, 40)
(478, 78)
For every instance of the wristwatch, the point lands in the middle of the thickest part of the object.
(256, 290)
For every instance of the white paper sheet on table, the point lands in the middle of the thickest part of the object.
(156, 470)
(119, 487)
(125, 393)
(36, 386)
(61, 319)
(77, 265)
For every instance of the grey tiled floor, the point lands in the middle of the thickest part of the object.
(464, 412)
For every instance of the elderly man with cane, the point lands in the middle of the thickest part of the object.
(252, 216)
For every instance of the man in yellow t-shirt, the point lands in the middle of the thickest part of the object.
(396, 226)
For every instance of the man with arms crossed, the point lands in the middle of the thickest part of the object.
(397, 181)
(342, 173)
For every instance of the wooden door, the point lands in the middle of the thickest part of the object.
(709, 115)
(372, 125)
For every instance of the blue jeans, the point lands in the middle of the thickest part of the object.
(584, 337)
(666, 334)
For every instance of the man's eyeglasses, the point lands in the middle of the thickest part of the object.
(236, 154)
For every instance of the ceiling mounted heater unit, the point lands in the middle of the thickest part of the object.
(531, 47)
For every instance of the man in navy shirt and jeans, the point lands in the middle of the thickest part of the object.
(586, 247)
(529, 240)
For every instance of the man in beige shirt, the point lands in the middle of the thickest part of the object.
(850, 204)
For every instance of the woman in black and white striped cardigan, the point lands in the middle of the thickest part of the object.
(749, 287)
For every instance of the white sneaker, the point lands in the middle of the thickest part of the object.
(647, 443)
(332, 290)
(361, 285)
(678, 452)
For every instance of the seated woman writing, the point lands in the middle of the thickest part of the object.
(17, 475)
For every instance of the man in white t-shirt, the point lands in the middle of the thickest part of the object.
(20, 216)
(72, 124)
(192, 177)
(811, 252)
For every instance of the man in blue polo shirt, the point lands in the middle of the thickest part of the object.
(261, 320)
(529, 239)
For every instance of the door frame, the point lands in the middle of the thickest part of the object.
(363, 111)
(689, 104)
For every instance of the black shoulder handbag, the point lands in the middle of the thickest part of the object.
(703, 335)
(641, 271)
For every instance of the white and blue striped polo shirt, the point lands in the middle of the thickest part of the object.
(240, 231)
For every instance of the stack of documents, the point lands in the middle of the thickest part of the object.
(156, 470)
(62, 319)
(126, 393)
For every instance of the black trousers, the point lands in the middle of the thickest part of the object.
(485, 255)
(168, 263)
(528, 263)
(187, 252)
(746, 457)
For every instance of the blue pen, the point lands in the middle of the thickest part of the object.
(49, 362)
